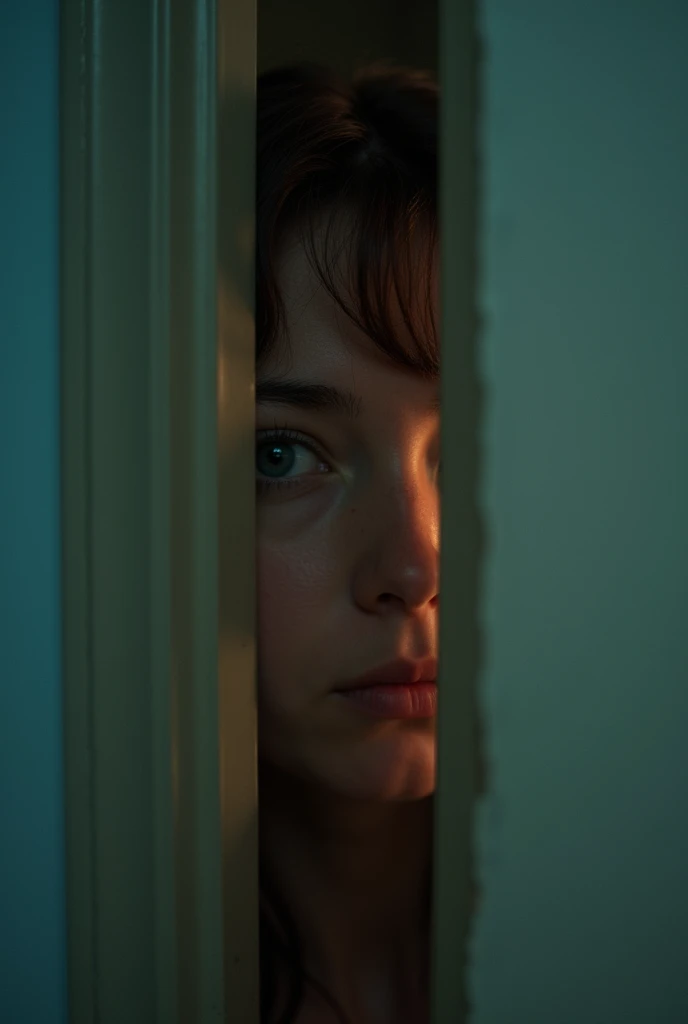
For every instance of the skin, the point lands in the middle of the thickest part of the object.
(347, 573)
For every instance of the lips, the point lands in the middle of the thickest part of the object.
(400, 672)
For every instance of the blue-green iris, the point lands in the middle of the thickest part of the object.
(275, 459)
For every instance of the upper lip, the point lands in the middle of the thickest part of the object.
(396, 672)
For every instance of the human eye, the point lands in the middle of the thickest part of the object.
(286, 459)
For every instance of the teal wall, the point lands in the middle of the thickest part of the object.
(583, 841)
(32, 918)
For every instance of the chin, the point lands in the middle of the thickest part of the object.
(394, 768)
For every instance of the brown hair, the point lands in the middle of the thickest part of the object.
(352, 168)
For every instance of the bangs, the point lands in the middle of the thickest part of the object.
(377, 258)
(350, 173)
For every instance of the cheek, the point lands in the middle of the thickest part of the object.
(296, 593)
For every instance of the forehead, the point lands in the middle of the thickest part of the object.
(319, 341)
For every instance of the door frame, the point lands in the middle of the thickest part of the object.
(157, 176)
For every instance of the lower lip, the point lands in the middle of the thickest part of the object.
(413, 700)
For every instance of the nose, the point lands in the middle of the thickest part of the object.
(397, 565)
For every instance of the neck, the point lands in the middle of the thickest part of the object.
(354, 876)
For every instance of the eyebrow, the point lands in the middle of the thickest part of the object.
(308, 395)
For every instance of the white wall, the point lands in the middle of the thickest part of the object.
(583, 842)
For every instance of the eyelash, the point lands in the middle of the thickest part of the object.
(285, 434)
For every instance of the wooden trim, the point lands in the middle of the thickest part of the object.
(462, 534)
(160, 730)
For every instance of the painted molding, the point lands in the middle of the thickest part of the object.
(157, 480)
(460, 773)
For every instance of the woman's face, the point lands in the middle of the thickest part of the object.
(348, 548)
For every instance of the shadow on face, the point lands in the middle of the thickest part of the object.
(348, 519)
